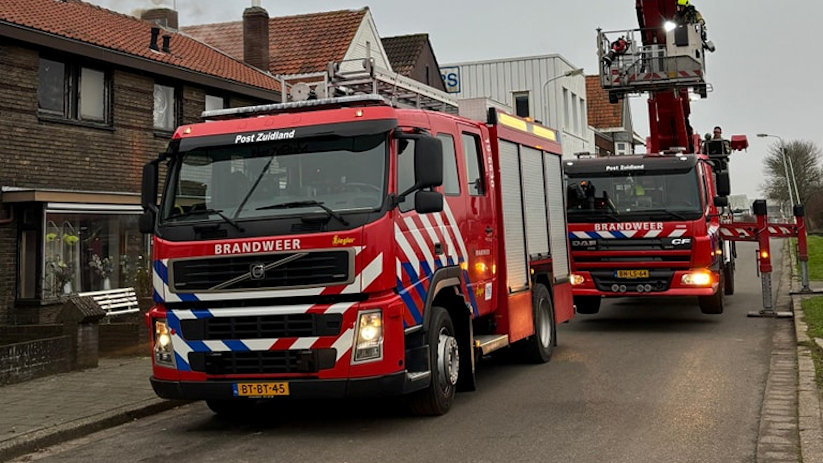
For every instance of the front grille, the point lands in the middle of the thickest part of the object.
(659, 280)
(265, 362)
(261, 271)
(262, 327)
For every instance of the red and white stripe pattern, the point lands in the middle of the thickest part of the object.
(370, 268)
(415, 261)
(616, 235)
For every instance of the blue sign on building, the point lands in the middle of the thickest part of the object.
(451, 77)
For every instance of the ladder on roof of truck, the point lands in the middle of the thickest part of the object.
(400, 90)
(344, 84)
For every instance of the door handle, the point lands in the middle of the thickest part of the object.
(489, 230)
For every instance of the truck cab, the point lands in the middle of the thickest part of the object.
(646, 226)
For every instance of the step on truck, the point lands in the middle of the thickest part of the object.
(352, 246)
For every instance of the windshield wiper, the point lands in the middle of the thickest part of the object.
(308, 202)
(219, 213)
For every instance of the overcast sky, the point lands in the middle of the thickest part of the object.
(765, 73)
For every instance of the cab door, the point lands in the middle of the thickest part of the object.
(476, 219)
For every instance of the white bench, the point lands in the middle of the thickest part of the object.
(115, 301)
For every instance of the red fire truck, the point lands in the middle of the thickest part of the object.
(348, 246)
(650, 225)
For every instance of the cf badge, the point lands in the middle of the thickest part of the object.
(257, 271)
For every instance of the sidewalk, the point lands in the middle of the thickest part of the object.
(46, 411)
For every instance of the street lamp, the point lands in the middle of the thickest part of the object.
(786, 168)
(569, 73)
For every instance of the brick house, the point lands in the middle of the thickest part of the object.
(413, 56)
(88, 96)
(612, 123)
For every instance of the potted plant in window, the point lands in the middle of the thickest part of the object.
(102, 267)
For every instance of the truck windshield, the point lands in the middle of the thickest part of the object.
(633, 196)
(248, 181)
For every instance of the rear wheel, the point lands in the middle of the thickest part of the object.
(444, 358)
(540, 346)
(713, 305)
(587, 304)
(728, 277)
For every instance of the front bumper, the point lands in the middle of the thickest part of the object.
(673, 287)
(387, 385)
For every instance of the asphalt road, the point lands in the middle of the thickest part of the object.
(643, 381)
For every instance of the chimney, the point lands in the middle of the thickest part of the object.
(256, 37)
(166, 42)
(155, 32)
(165, 17)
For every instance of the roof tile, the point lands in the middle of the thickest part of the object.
(297, 44)
(404, 51)
(91, 24)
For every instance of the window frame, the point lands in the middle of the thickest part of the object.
(442, 137)
(478, 186)
(177, 101)
(72, 93)
(519, 95)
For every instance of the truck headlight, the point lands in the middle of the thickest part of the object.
(577, 279)
(163, 349)
(699, 278)
(368, 339)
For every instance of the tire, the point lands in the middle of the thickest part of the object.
(436, 399)
(587, 305)
(713, 305)
(539, 347)
(728, 277)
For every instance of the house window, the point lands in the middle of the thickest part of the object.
(566, 108)
(621, 148)
(165, 108)
(91, 248)
(521, 104)
(576, 118)
(215, 102)
(74, 92)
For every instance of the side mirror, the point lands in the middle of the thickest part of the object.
(148, 198)
(721, 201)
(426, 202)
(149, 187)
(146, 222)
(428, 162)
(724, 185)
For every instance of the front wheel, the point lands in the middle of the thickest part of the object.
(713, 305)
(444, 358)
(540, 346)
(728, 277)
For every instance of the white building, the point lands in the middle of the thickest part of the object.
(539, 87)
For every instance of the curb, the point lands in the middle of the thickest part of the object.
(809, 411)
(32, 441)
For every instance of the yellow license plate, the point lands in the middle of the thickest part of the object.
(632, 274)
(260, 389)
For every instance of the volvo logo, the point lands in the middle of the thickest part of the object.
(257, 271)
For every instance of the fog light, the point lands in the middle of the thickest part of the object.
(163, 349)
(369, 336)
(576, 279)
(702, 278)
